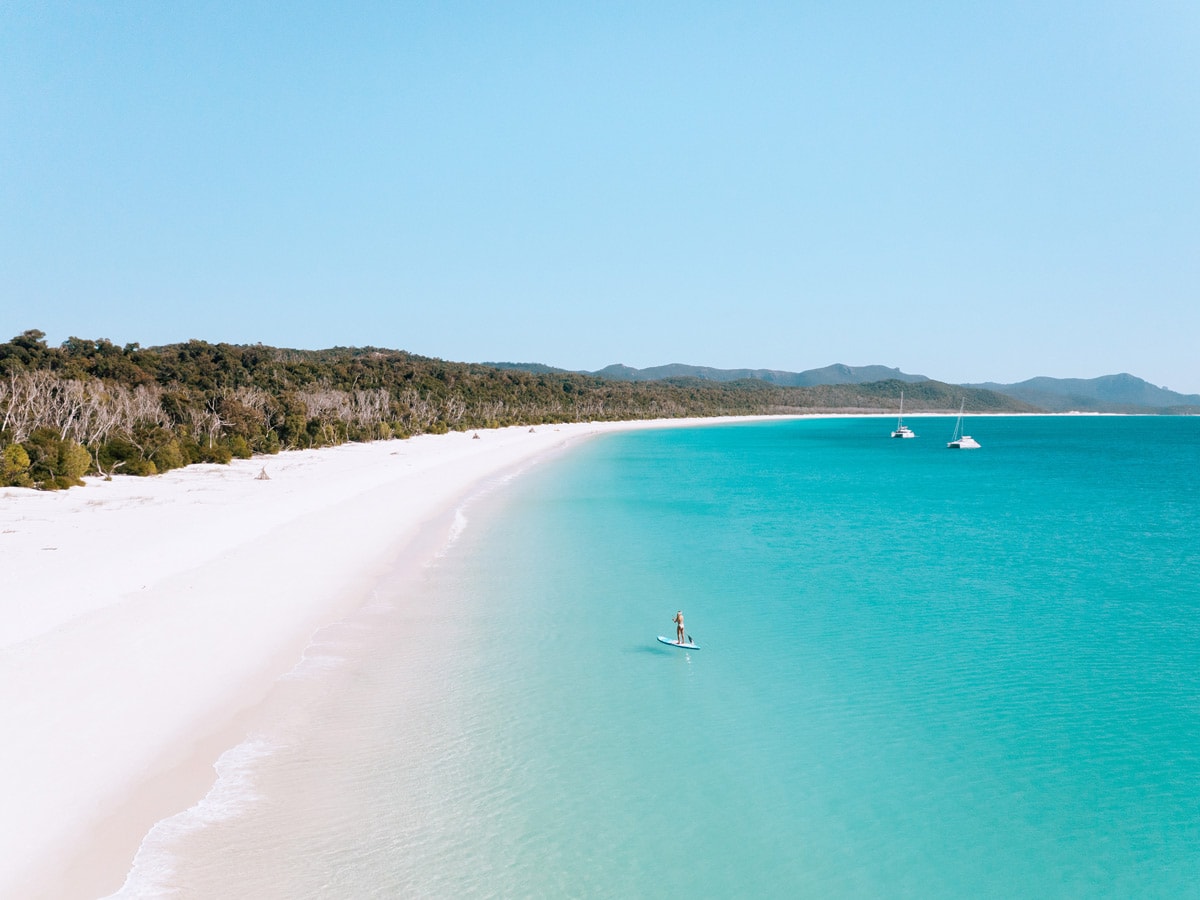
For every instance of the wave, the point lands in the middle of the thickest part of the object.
(154, 864)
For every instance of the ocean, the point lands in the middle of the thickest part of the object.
(922, 673)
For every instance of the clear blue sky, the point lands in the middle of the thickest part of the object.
(970, 191)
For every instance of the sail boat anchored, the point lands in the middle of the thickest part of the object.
(962, 441)
(902, 430)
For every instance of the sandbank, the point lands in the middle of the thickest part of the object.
(141, 617)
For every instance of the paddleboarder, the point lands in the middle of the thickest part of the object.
(678, 620)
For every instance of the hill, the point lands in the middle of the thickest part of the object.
(835, 374)
(1122, 393)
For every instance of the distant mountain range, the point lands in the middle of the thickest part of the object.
(1108, 393)
(836, 374)
(1122, 393)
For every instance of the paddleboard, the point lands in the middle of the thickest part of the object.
(668, 641)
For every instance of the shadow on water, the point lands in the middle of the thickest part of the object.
(655, 649)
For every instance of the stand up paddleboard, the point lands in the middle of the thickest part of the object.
(679, 644)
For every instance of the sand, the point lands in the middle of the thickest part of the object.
(142, 618)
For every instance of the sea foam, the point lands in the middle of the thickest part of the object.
(154, 865)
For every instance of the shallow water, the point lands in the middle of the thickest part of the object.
(923, 673)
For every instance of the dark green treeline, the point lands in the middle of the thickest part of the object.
(93, 407)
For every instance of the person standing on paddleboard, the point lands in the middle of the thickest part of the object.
(678, 620)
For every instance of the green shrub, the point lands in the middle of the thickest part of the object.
(139, 466)
(14, 467)
(218, 453)
(238, 446)
(169, 456)
(294, 432)
(117, 455)
(74, 462)
(188, 448)
(44, 447)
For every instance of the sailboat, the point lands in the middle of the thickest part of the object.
(902, 430)
(962, 441)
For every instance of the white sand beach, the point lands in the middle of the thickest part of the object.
(139, 617)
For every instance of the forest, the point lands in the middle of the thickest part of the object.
(91, 407)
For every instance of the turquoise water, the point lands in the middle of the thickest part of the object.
(924, 673)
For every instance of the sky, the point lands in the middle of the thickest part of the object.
(984, 191)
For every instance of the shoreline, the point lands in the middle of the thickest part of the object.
(144, 619)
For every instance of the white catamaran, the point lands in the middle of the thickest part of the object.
(902, 430)
(962, 441)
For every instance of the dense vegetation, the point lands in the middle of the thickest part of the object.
(90, 406)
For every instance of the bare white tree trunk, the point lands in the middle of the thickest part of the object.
(454, 409)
